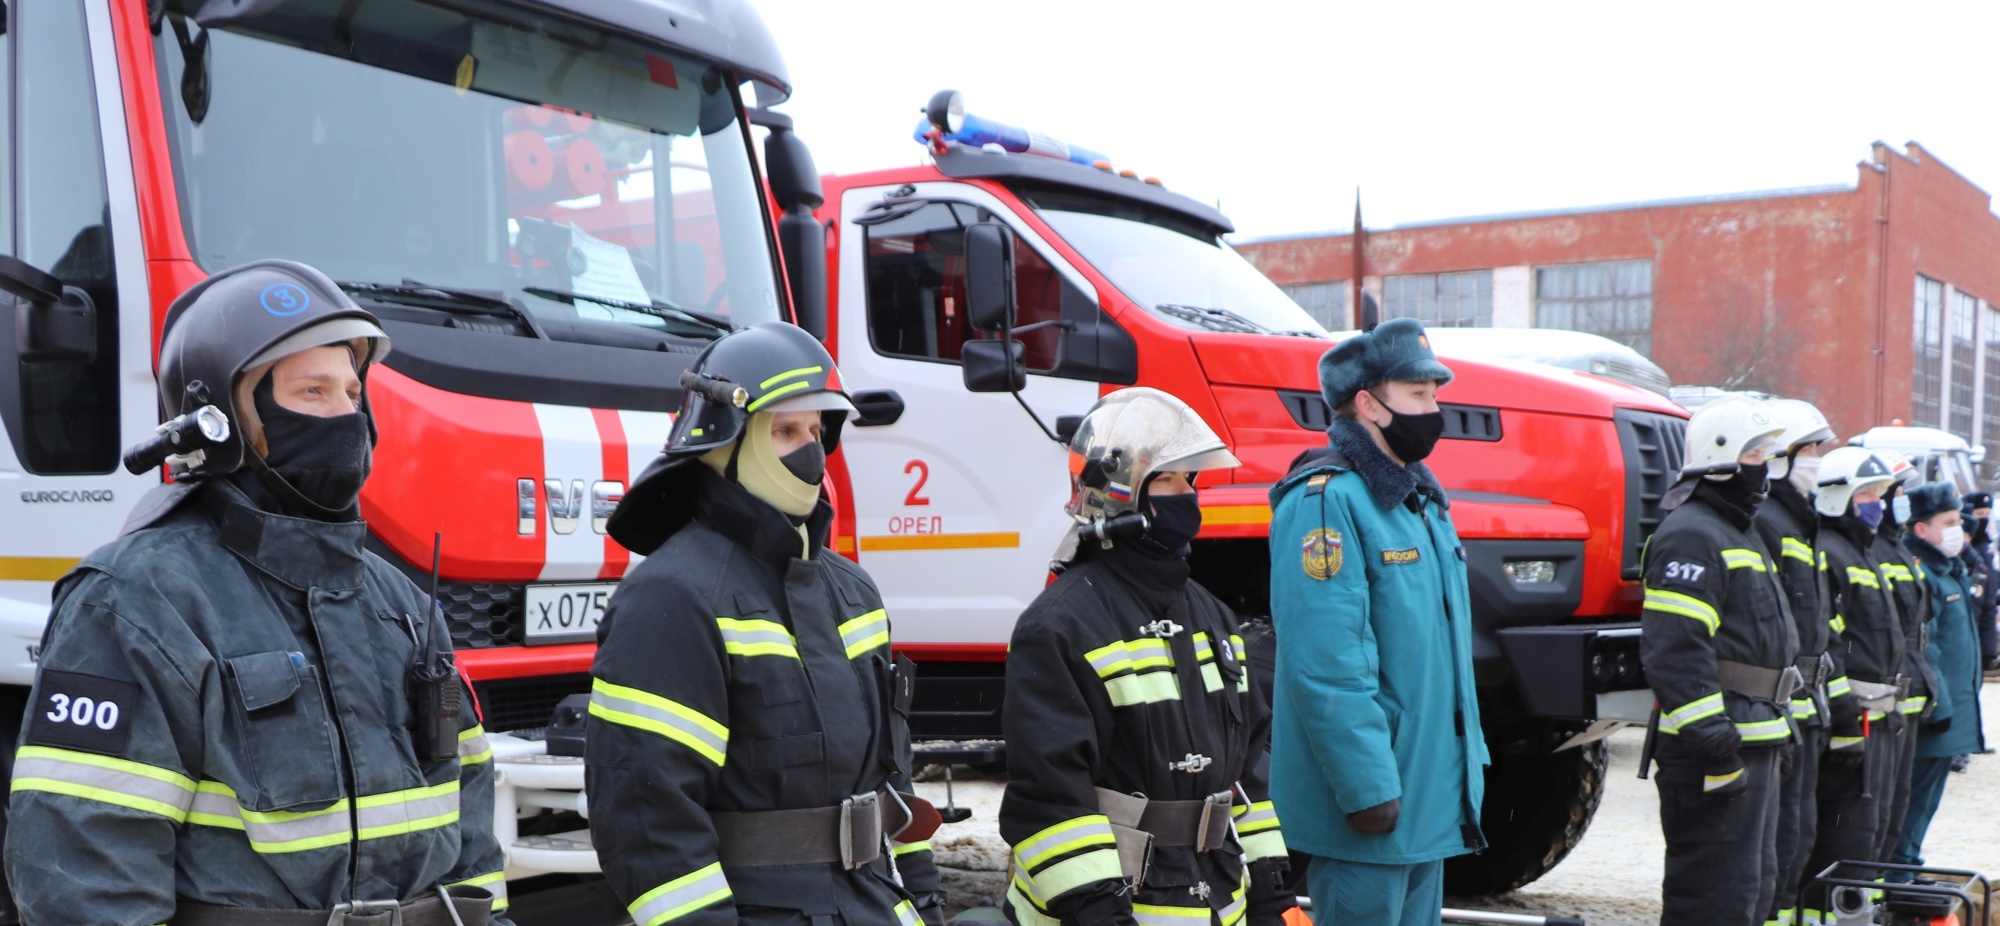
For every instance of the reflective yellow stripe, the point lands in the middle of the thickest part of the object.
(1144, 688)
(1913, 705)
(1796, 549)
(1232, 913)
(1822, 561)
(866, 632)
(681, 896)
(1839, 686)
(1063, 838)
(1764, 731)
(1072, 873)
(777, 393)
(906, 915)
(756, 638)
(1211, 677)
(790, 374)
(1844, 742)
(1026, 909)
(1146, 914)
(1263, 845)
(900, 849)
(119, 782)
(1863, 577)
(1667, 602)
(1804, 709)
(1130, 655)
(1712, 782)
(1839, 624)
(494, 883)
(1744, 559)
(649, 712)
(473, 747)
(1701, 708)
(379, 816)
(1258, 817)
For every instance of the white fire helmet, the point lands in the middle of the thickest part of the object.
(1804, 426)
(1845, 471)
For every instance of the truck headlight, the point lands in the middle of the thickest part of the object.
(1530, 571)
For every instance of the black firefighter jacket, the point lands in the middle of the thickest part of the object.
(220, 715)
(1864, 606)
(1118, 675)
(1903, 574)
(1789, 527)
(731, 675)
(1712, 594)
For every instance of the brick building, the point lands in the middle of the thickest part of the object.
(1870, 299)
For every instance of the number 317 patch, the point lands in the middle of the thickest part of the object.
(1686, 572)
(86, 712)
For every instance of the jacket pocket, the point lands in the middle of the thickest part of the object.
(285, 743)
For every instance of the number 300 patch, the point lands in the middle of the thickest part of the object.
(86, 712)
(1686, 572)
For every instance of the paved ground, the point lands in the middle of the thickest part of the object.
(1611, 879)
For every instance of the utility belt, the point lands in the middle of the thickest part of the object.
(1757, 681)
(1815, 671)
(470, 906)
(1880, 696)
(1141, 825)
(852, 832)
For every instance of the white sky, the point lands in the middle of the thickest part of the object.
(1278, 110)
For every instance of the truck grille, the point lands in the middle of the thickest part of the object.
(525, 703)
(1654, 445)
(482, 614)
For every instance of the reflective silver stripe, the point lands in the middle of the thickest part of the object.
(1233, 914)
(473, 747)
(409, 811)
(1263, 815)
(1203, 652)
(866, 632)
(107, 780)
(1146, 914)
(756, 638)
(681, 896)
(494, 883)
(278, 831)
(1067, 836)
(906, 915)
(654, 714)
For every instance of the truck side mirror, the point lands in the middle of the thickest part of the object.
(989, 279)
(801, 238)
(53, 323)
(994, 366)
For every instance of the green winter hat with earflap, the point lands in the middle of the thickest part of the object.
(1396, 351)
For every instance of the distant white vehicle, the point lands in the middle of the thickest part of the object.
(1556, 347)
(1940, 456)
(1693, 397)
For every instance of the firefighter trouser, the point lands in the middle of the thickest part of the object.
(1926, 790)
(1896, 787)
(1850, 807)
(1798, 821)
(1722, 852)
(1365, 894)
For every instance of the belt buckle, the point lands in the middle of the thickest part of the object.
(869, 803)
(366, 908)
(1789, 681)
(1223, 799)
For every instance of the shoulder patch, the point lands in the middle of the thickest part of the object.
(1685, 572)
(86, 712)
(1401, 557)
(1319, 554)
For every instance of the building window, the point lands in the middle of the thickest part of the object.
(1990, 427)
(1613, 299)
(1964, 315)
(1325, 302)
(1927, 371)
(1441, 300)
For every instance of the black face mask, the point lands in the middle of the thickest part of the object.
(322, 461)
(1412, 437)
(808, 463)
(1172, 523)
(1748, 488)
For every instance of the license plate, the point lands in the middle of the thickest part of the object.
(565, 613)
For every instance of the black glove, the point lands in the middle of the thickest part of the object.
(1101, 904)
(1378, 819)
(1724, 780)
(1939, 725)
(1847, 754)
(930, 907)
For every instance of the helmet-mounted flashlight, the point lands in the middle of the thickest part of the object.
(715, 389)
(183, 437)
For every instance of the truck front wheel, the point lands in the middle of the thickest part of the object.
(1536, 810)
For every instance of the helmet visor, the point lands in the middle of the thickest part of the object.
(1218, 458)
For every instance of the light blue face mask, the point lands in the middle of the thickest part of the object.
(1900, 508)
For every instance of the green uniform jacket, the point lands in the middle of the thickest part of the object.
(1374, 697)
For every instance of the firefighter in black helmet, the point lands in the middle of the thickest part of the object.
(210, 728)
(748, 748)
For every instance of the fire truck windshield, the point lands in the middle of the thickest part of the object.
(1193, 282)
(534, 158)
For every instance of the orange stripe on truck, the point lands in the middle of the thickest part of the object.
(35, 568)
(888, 542)
(1236, 514)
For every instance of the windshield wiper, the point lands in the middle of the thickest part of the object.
(708, 325)
(486, 302)
(1212, 319)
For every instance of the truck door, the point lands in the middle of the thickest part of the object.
(958, 501)
(67, 208)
